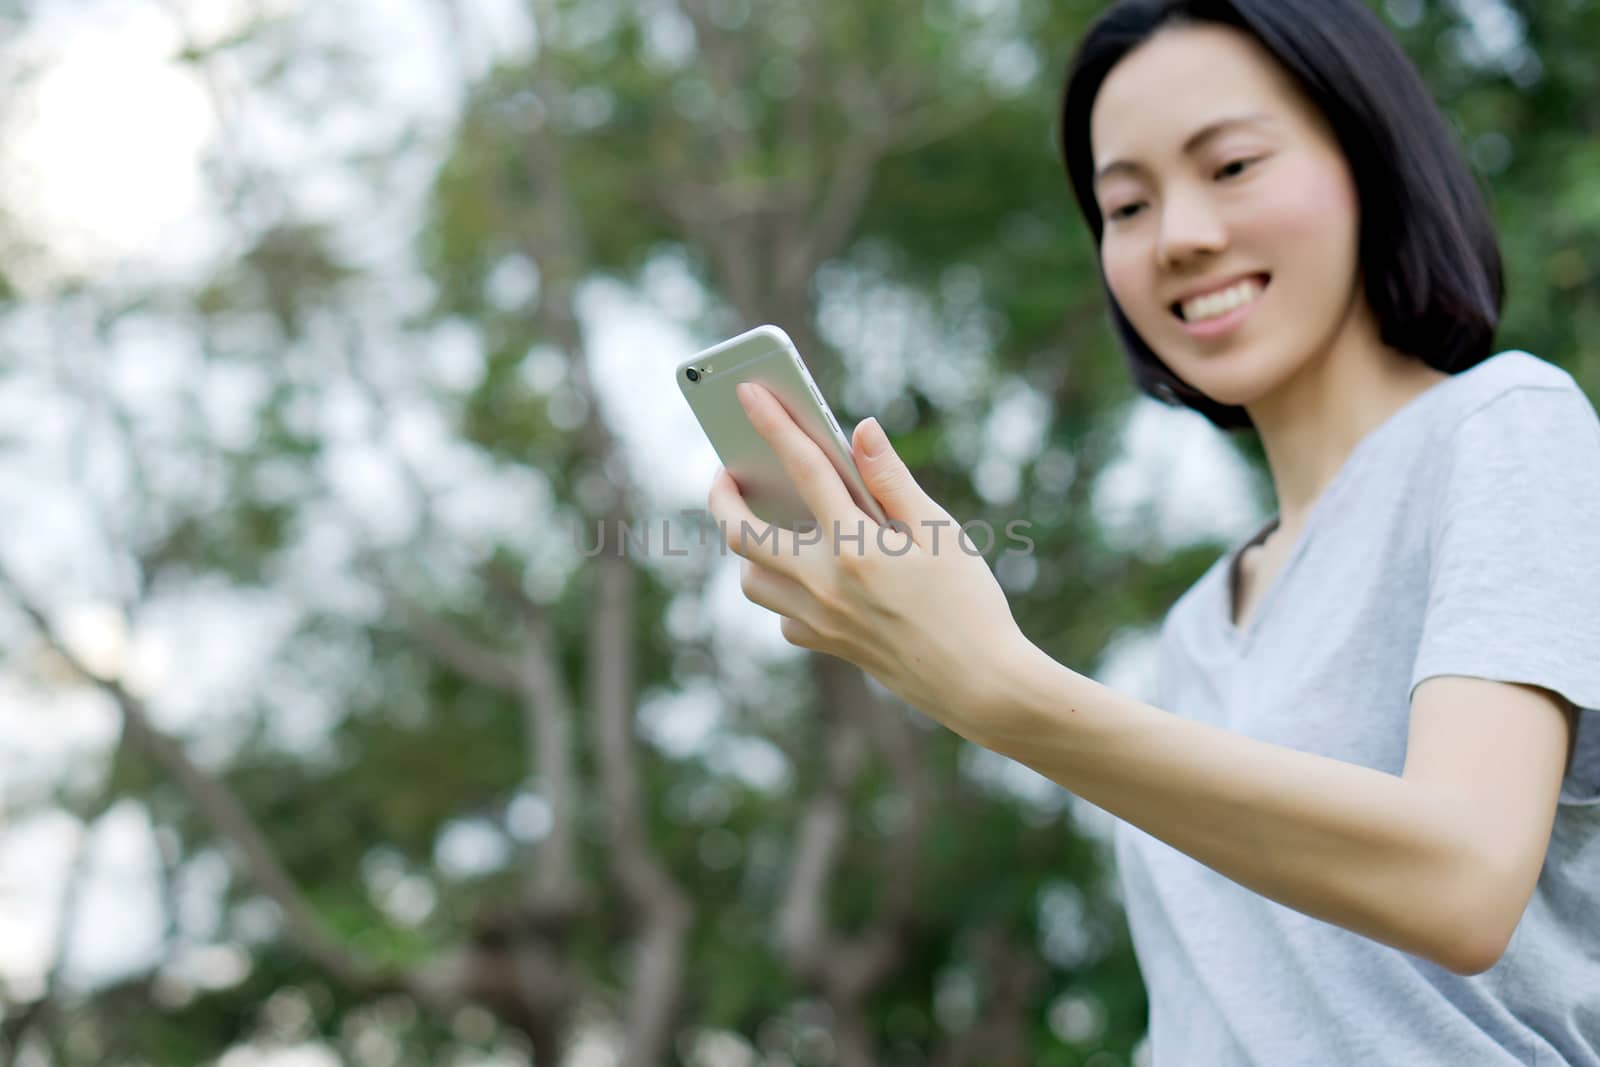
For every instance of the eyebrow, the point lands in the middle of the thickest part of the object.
(1196, 140)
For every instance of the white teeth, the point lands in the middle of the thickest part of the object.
(1209, 307)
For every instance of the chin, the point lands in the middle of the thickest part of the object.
(1238, 376)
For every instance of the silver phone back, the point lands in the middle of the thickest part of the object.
(766, 355)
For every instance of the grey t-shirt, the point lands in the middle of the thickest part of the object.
(1461, 536)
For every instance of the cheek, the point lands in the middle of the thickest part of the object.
(1310, 215)
(1125, 276)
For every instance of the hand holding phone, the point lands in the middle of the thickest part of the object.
(929, 622)
(767, 356)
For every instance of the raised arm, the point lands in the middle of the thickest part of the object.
(1439, 861)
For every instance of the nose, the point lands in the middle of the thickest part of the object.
(1190, 228)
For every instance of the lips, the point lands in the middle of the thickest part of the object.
(1176, 307)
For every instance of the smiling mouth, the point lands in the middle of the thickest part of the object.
(1263, 279)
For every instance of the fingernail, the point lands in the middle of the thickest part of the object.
(746, 394)
(873, 442)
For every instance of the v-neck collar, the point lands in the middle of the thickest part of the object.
(1230, 594)
(1241, 637)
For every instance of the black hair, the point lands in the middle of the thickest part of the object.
(1429, 258)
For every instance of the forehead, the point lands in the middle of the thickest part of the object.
(1182, 78)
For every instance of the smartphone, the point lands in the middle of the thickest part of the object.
(765, 355)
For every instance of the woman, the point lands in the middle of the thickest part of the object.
(1361, 822)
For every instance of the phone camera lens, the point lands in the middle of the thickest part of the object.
(692, 374)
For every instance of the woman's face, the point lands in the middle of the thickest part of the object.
(1217, 178)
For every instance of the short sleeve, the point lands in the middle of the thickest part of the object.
(1514, 568)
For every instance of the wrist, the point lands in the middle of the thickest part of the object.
(1014, 707)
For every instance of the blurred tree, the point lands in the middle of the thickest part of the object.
(816, 166)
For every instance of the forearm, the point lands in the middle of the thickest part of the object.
(1369, 851)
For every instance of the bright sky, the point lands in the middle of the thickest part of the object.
(104, 149)
(110, 185)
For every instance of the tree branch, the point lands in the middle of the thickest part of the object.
(471, 658)
(848, 969)
(655, 897)
(1002, 1034)
(222, 809)
(20, 1018)
(659, 904)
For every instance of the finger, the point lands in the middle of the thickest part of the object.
(800, 635)
(891, 483)
(746, 534)
(774, 591)
(803, 460)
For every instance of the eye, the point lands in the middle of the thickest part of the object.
(1125, 211)
(1228, 170)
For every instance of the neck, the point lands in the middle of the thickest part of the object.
(1312, 421)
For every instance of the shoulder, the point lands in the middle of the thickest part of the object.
(1510, 411)
(1516, 446)
(1509, 384)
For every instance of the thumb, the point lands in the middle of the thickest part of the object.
(890, 481)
